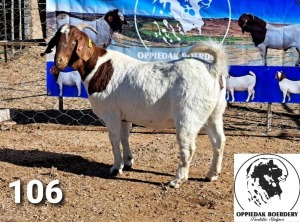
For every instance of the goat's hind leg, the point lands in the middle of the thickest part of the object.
(217, 138)
(187, 147)
(127, 154)
(114, 130)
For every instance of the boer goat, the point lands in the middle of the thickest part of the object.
(287, 86)
(186, 94)
(267, 36)
(241, 83)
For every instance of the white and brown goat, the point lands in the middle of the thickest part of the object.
(187, 94)
(265, 35)
(287, 86)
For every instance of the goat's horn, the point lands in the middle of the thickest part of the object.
(81, 26)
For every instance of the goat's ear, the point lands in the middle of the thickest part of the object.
(84, 48)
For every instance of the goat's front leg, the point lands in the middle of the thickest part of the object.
(263, 53)
(227, 95)
(289, 96)
(127, 154)
(60, 88)
(284, 95)
(78, 85)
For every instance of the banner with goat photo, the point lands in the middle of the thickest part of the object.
(260, 37)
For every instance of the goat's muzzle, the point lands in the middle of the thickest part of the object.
(61, 62)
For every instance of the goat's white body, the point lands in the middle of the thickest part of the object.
(69, 79)
(241, 83)
(289, 86)
(284, 37)
(152, 94)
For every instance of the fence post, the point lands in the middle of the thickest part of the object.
(269, 118)
(60, 104)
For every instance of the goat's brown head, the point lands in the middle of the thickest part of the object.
(72, 47)
(280, 75)
(115, 19)
(249, 23)
(244, 20)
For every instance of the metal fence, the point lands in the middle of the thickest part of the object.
(23, 80)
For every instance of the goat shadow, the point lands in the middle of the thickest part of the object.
(70, 163)
(74, 164)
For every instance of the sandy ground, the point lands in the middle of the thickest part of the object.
(80, 159)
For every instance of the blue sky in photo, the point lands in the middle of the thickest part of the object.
(275, 11)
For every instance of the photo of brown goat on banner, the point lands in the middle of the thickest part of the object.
(265, 35)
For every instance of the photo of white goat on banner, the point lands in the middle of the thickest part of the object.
(287, 86)
(241, 83)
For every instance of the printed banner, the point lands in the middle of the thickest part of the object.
(261, 38)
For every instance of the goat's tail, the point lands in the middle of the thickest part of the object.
(219, 66)
(252, 74)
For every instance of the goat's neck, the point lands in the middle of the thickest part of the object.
(79, 66)
(85, 67)
(258, 34)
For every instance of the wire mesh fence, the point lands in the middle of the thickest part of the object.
(23, 80)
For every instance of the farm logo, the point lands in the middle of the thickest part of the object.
(174, 21)
(266, 187)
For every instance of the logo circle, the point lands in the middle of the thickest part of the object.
(188, 10)
(267, 181)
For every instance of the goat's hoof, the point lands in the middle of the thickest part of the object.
(128, 167)
(114, 172)
(175, 183)
(212, 177)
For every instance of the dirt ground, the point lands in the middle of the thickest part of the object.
(80, 159)
(45, 144)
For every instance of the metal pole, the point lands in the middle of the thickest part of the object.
(12, 23)
(26, 19)
(5, 26)
(20, 20)
(5, 30)
(60, 104)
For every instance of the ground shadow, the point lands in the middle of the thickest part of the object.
(70, 163)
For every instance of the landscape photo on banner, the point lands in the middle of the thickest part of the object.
(164, 30)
